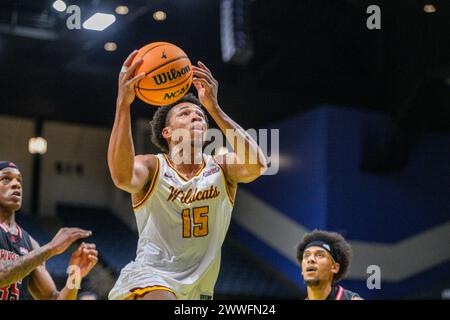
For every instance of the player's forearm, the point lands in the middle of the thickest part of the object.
(243, 144)
(67, 294)
(121, 148)
(15, 270)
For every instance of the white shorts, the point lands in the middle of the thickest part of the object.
(136, 279)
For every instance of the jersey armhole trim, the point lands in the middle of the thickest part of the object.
(340, 293)
(150, 189)
(19, 230)
(230, 197)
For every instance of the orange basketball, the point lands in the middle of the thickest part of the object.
(168, 73)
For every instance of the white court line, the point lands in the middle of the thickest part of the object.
(397, 261)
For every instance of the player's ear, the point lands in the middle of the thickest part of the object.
(166, 133)
(335, 268)
(301, 266)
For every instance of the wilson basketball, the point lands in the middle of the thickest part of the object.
(168, 73)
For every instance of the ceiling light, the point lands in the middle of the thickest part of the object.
(37, 145)
(122, 10)
(429, 8)
(110, 46)
(59, 5)
(99, 21)
(159, 15)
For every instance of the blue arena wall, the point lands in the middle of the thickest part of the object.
(320, 184)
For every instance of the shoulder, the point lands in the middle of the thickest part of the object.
(148, 160)
(34, 244)
(225, 162)
(350, 295)
(224, 159)
(147, 168)
(25, 235)
(3, 231)
(3, 237)
(146, 165)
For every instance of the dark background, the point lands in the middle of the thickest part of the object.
(304, 53)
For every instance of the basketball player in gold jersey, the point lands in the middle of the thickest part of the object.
(183, 209)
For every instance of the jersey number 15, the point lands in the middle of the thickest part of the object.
(198, 220)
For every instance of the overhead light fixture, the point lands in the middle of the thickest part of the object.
(429, 8)
(37, 145)
(235, 38)
(110, 46)
(99, 21)
(59, 5)
(159, 15)
(122, 10)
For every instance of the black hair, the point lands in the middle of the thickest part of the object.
(339, 246)
(160, 121)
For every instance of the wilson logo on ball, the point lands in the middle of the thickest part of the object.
(171, 75)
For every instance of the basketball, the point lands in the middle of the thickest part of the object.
(168, 73)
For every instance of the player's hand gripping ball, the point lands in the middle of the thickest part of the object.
(168, 73)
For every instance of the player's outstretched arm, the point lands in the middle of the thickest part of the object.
(237, 166)
(42, 286)
(128, 172)
(16, 270)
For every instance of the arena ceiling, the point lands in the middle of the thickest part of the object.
(305, 53)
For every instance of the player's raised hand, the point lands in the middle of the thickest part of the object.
(127, 79)
(206, 86)
(65, 237)
(85, 257)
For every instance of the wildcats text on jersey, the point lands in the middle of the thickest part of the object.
(191, 196)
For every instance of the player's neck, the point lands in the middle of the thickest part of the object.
(7, 218)
(319, 292)
(186, 163)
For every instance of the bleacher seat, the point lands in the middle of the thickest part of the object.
(115, 241)
(242, 275)
(57, 265)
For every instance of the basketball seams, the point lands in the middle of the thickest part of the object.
(163, 65)
(156, 46)
(151, 101)
(150, 49)
(154, 102)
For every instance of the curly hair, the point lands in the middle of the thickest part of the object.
(160, 121)
(339, 246)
